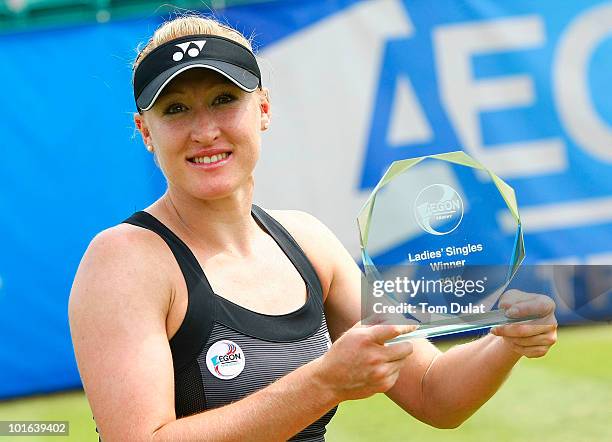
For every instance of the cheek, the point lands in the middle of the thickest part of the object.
(245, 126)
(167, 134)
(167, 139)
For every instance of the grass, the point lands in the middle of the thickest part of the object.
(69, 406)
(566, 396)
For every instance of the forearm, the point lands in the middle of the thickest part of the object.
(462, 379)
(276, 412)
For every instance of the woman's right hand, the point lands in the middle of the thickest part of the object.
(359, 364)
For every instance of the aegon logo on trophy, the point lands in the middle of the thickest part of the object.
(438, 209)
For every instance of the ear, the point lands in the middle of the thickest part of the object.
(266, 111)
(142, 127)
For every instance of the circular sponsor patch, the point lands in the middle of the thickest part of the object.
(225, 359)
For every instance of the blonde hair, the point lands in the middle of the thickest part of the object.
(190, 24)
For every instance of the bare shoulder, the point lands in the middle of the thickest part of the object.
(310, 233)
(117, 312)
(123, 274)
(301, 224)
(119, 258)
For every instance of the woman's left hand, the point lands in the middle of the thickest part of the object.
(534, 338)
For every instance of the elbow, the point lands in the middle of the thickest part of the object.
(446, 421)
(447, 424)
(446, 416)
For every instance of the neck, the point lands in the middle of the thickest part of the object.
(223, 224)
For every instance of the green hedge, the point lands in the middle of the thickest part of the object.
(17, 15)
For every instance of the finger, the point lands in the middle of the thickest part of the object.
(546, 339)
(383, 332)
(386, 376)
(386, 318)
(399, 351)
(522, 330)
(513, 296)
(540, 307)
(534, 351)
(394, 367)
(374, 319)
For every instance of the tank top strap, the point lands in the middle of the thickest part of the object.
(292, 249)
(198, 320)
(189, 265)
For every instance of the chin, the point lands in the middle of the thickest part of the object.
(218, 192)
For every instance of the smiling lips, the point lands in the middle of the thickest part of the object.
(210, 159)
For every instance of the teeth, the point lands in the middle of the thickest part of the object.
(212, 159)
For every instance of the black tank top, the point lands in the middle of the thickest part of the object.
(222, 351)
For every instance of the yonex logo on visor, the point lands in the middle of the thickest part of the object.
(223, 55)
(192, 52)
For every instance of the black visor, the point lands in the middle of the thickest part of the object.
(219, 54)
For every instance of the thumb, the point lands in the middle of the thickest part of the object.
(538, 308)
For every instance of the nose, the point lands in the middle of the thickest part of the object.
(204, 127)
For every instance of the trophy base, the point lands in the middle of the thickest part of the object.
(458, 324)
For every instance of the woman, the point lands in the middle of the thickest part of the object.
(206, 317)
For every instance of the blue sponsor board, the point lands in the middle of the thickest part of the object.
(519, 102)
(521, 87)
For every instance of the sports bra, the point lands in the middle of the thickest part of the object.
(222, 351)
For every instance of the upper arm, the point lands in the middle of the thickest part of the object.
(342, 294)
(117, 311)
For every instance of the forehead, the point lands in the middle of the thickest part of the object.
(196, 78)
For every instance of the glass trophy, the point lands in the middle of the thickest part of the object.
(440, 239)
